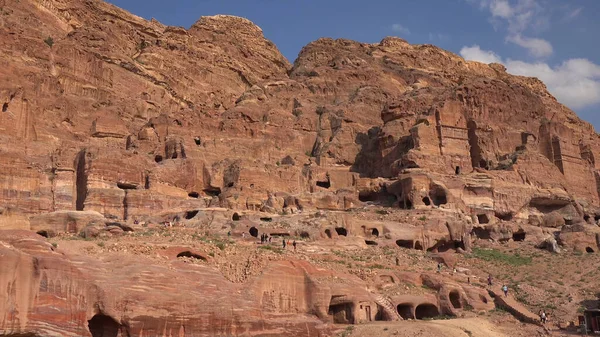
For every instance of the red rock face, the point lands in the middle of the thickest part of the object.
(49, 293)
(123, 118)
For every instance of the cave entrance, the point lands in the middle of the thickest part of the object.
(103, 326)
(81, 181)
(158, 158)
(405, 204)
(371, 243)
(235, 217)
(324, 183)
(328, 233)
(518, 236)
(253, 231)
(438, 196)
(418, 245)
(126, 186)
(381, 316)
(187, 253)
(457, 170)
(43, 233)
(4, 107)
(405, 310)
(375, 232)
(365, 196)
(426, 310)
(405, 244)
(443, 246)
(213, 192)
(483, 218)
(194, 195)
(475, 150)
(304, 235)
(589, 249)
(455, 299)
(341, 231)
(481, 233)
(341, 313)
(504, 216)
(426, 201)
(191, 214)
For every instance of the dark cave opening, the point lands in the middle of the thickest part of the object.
(187, 253)
(103, 326)
(341, 231)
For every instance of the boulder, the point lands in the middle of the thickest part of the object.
(65, 222)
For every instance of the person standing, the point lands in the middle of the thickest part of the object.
(294, 244)
(505, 290)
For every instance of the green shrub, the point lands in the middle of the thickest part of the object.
(493, 255)
(49, 41)
(271, 248)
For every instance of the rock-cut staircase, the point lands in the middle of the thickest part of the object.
(513, 306)
(389, 311)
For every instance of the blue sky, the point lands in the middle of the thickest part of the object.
(555, 40)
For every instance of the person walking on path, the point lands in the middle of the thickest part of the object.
(505, 290)
(490, 280)
(439, 267)
(294, 244)
(283, 243)
(543, 317)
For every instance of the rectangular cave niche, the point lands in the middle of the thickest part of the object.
(341, 313)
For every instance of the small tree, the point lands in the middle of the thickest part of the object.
(49, 41)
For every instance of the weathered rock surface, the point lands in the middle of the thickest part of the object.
(109, 120)
(120, 115)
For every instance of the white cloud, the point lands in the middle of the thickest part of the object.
(520, 16)
(575, 82)
(398, 28)
(501, 8)
(573, 14)
(475, 53)
(536, 47)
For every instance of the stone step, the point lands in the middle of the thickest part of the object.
(387, 306)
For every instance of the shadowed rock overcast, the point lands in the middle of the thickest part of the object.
(158, 180)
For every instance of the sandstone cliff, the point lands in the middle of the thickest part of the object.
(124, 119)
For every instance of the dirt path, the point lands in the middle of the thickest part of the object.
(468, 327)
